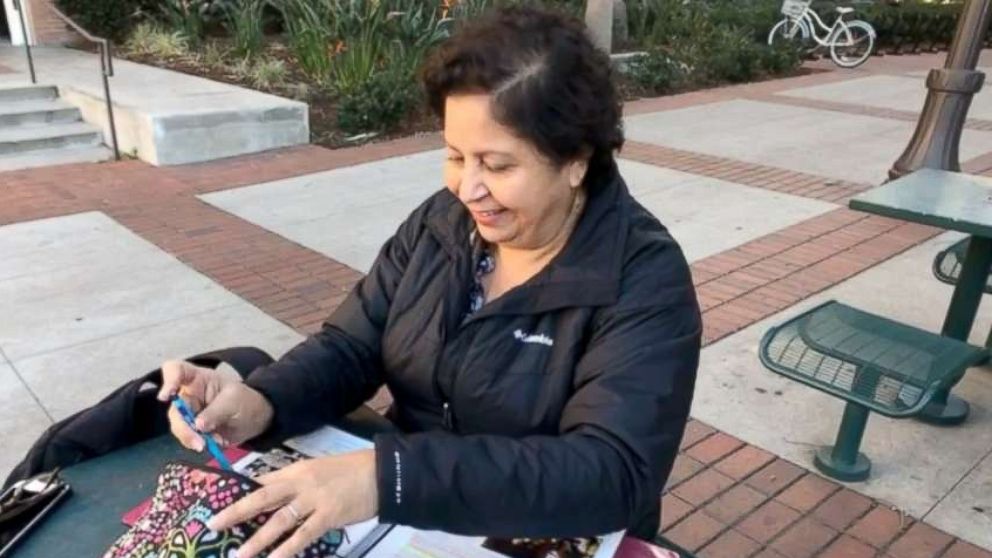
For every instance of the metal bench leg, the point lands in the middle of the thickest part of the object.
(843, 461)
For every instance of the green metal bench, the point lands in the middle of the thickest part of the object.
(873, 363)
(947, 264)
(947, 269)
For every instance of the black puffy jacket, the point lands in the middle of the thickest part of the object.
(555, 410)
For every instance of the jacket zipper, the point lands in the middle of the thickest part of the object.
(447, 410)
(445, 406)
(447, 422)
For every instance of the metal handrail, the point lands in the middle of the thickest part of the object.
(106, 70)
(24, 39)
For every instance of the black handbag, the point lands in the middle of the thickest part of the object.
(131, 414)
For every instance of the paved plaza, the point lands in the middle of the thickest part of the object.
(110, 268)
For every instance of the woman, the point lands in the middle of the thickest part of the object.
(538, 329)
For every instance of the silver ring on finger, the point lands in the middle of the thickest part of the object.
(297, 518)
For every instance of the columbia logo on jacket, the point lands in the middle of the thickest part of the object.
(523, 337)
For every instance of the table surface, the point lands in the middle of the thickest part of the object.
(105, 488)
(949, 200)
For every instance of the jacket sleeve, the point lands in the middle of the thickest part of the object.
(619, 435)
(337, 369)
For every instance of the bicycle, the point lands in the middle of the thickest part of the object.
(850, 42)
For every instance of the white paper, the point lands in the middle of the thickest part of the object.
(406, 542)
(328, 440)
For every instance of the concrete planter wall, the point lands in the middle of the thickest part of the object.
(191, 137)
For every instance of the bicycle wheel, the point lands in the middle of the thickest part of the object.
(852, 44)
(789, 30)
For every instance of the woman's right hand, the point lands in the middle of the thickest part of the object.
(224, 405)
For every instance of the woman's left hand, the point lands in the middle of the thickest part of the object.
(312, 497)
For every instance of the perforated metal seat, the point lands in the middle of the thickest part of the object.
(947, 264)
(947, 268)
(871, 362)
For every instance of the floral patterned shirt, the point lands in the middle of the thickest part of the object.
(485, 265)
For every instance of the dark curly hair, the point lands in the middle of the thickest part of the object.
(549, 82)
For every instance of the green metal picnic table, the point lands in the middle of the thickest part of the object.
(105, 488)
(953, 201)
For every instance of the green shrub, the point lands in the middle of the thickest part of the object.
(377, 104)
(662, 22)
(189, 18)
(653, 23)
(910, 25)
(151, 40)
(658, 71)
(214, 54)
(309, 35)
(715, 55)
(339, 42)
(781, 58)
(112, 19)
(469, 9)
(266, 73)
(728, 55)
(356, 65)
(300, 91)
(366, 53)
(245, 22)
(352, 18)
(755, 17)
(906, 26)
(420, 27)
(374, 83)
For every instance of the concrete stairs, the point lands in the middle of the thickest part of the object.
(37, 129)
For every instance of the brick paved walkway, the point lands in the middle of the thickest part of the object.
(725, 497)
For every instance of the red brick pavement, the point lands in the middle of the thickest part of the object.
(851, 108)
(725, 497)
(694, 98)
(284, 163)
(724, 494)
(741, 172)
(770, 507)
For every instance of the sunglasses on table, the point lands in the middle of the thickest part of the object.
(25, 504)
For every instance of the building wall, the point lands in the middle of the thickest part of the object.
(13, 21)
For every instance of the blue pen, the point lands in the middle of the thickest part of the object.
(212, 446)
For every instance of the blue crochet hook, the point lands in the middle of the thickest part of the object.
(190, 419)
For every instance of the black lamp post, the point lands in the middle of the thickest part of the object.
(938, 132)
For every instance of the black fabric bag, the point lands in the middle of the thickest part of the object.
(131, 414)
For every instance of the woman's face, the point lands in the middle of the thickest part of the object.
(517, 197)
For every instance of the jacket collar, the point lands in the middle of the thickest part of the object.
(586, 272)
